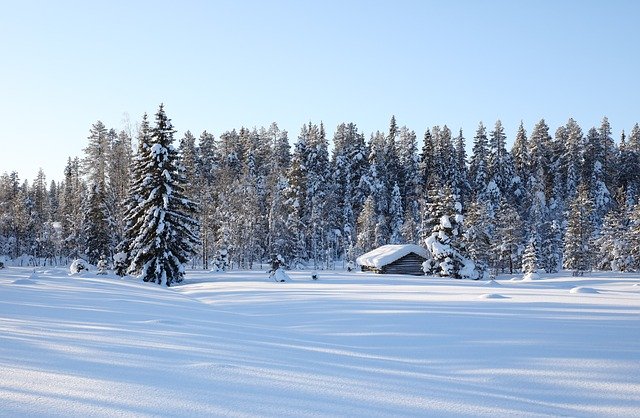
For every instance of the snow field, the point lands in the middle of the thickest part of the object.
(349, 344)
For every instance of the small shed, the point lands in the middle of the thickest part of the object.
(394, 259)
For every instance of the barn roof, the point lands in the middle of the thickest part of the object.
(387, 254)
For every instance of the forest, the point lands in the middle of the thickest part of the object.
(567, 200)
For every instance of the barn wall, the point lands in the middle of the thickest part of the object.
(409, 264)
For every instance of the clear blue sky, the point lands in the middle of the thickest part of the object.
(218, 65)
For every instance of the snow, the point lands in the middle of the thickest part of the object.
(530, 276)
(120, 257)
(492, 296)
(78, 266)
(582, 289)
(358, 345)
(387, 254)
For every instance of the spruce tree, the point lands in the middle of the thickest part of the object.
(478, 235)
(520, 158)
(508, 242)
(396, 216)
(98, 206)
(577, 241)
(166, 229)
(478, 174)
(446, 245)
(530, 259)
(366, 226)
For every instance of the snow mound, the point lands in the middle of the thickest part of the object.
(387, 254)
(515, 279)
(281, 275)
(581, 289)
(531, 276)
(493, 296)
(492, 283)
(78, 265)
(24, 281)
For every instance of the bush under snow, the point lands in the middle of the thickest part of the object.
(78, 265)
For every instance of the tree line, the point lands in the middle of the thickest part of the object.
(567, 200)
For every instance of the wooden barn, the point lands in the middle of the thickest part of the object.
(394, 259)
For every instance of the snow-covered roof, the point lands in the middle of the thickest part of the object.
(387, 254)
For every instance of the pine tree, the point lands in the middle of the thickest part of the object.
(98, 206)
(366, 226)
(119, 174)
(613, 245)
(520, 157)
(572, 159)
(296, 195)
(577, 242)
(500, 166)
(530, 259)
(478, 175)
(71, 210)
(540, 147)
(135, 197)
(167, 229)
(478, 235)
(319, 194)
(508, 242)
(396, 215)
(445, 244)
(408, 162)
(460, 182)
(206, 168)
(426, 164)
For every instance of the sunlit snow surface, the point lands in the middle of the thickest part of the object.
(349, 344)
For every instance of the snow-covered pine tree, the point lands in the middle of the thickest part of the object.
(478, 175)
(134, 216)
(520, 157)
(98, 206)
(167, 228)
(408, 162)
(572, 159)
(594, 172)
(537, 210)
(612, 246)
(610, 157)
(632, 236)
(348, 164)
(396, 216)
(206, 167)
(376, 180)
(500, 165)
(478, 236)
(426, 163)
(246, 229)
(71, 210)
(445, 156)
(530, 260)
(296, 201)
(628, 171)
(320, 198)
(390, 158)
(445, 244)
(579, 234)
(367, 221)
(507, 245)
(119, 173)
(460, 183)
(540, 147)
(550, 255)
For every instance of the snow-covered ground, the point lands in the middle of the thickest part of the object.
(349, 344)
